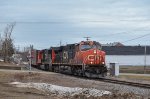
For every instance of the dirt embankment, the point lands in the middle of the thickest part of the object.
(8, 91)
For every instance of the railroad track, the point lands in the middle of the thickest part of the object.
(114, 81)
(109, 80)
(135, 84)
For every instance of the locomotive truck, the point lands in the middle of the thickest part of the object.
(85, 59)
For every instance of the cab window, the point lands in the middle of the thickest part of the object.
(86, 47)
(99, 47)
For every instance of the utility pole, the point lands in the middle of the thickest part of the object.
(60, 43)
(30, 60)
(145, 60)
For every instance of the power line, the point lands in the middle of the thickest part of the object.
(82, 20)
(126, 32)
(136, 38)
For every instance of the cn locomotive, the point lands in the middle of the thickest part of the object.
(85, 58)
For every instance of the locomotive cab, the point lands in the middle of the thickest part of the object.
(92, 56)
(91, 53)
(90, 45)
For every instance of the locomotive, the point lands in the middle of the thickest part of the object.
(85, 58)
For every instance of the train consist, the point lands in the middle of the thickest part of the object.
(85, 58)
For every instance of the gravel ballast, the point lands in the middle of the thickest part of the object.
(63, 91)
(61, 81)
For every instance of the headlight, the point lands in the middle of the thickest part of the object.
(94, 51)
(103, 62)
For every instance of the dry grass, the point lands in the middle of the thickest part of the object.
(137, 77)
(134, 69)
(7, 64)
(57, 79)
(26, 77)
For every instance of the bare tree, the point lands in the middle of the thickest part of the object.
(1, 42)
(7, 45)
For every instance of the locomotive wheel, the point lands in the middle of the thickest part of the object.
(56, 69)
(50, 68)
(104, 74)
(75, 72)
(46, 67)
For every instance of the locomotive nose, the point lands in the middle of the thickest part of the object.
(91, 57)
(94, 51)
(94, 59)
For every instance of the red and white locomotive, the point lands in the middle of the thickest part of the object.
(85, 58)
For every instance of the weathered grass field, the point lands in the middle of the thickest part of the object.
(134, 69)
(135, 77)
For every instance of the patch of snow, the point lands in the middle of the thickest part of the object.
(60, 90)
(25, 63)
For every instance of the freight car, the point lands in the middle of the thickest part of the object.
(85, 58)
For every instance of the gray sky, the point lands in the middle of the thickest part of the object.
(44, 23)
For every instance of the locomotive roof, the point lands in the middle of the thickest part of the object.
(90, 42)
(64, 46)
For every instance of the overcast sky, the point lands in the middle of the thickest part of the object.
(45, 23)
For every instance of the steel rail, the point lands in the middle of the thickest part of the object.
(110, 80)
(130, 83)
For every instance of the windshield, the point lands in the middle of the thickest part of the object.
(90, 45)
(99, 47)
(86, 47)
